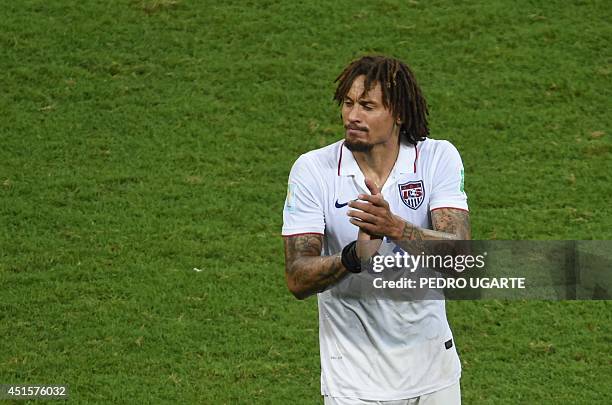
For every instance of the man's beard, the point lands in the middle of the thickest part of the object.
(358, 146)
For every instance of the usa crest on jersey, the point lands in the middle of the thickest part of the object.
(412, 193)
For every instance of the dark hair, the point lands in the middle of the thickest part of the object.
(401, 93)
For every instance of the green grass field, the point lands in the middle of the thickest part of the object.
(142, 139)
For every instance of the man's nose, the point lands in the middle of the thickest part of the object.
(353, 114)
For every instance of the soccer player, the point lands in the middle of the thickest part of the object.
(385, 179)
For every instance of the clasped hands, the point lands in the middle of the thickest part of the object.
(371, 213)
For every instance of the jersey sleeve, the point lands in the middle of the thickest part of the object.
(447, 190)
(303, 211)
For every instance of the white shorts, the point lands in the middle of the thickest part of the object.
(447, 396)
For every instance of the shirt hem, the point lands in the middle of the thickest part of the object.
(286, 235)
(441, 205)
(385, 396)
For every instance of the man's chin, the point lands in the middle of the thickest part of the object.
(357, 146)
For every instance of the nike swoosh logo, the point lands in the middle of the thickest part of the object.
(341, 205)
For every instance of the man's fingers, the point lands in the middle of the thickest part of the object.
(376, 200)
(364, 216)
(365, 207)
(366, 227)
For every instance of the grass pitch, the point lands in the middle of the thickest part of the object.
(143, 139)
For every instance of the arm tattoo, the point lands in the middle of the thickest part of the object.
(452, 221)
(306, 271)
(448, 224)
(308, 245)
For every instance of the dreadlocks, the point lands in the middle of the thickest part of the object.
(401, 93)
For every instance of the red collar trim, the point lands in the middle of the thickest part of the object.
(340, 160)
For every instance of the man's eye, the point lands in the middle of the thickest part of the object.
(348, 103)
(367, 107)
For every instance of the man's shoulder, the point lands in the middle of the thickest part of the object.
(436, 145)
(433, 150)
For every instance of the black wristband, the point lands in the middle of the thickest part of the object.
(349, 258)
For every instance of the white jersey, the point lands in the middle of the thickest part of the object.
(377, 348)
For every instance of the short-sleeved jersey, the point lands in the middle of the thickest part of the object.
(375, 348)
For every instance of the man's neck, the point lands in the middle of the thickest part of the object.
(377, 163)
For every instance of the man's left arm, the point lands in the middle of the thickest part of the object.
(447, 223)
(373, 215)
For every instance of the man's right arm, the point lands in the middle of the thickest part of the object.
(306, 271)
